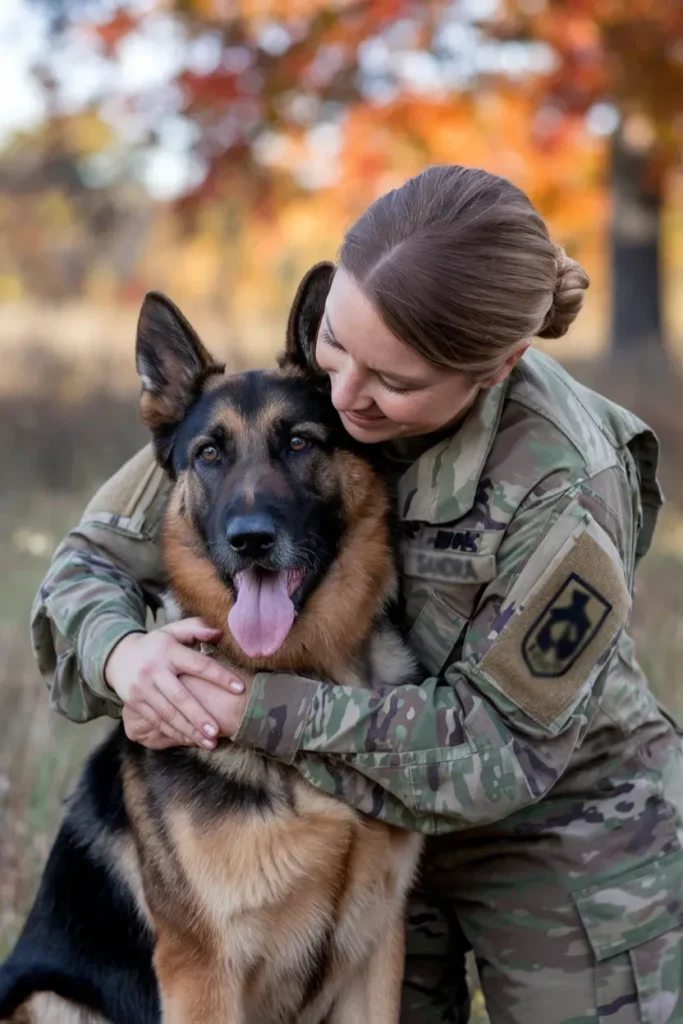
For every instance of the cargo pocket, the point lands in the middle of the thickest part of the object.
(435, 633)
(634, 925)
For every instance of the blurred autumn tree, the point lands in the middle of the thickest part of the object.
(297, 113)
(627, 55)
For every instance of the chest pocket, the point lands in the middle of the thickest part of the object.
(440, 589)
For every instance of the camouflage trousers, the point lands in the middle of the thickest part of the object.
(574, 909)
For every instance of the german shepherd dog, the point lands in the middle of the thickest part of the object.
(220, 887)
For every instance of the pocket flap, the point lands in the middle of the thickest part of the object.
(633, 907)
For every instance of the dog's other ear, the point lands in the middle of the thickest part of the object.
(305, 316)
(171, 362)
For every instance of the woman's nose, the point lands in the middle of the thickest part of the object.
(347, 390)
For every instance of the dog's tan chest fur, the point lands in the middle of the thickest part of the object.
(304, 882)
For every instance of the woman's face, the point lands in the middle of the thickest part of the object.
(381, 387)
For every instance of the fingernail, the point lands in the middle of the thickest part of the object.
(237, 686)
(209, 744)
(210, 730)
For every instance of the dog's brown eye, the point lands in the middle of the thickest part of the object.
(298, 444)
(209, 453)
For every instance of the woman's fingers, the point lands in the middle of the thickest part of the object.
(193, 663)
(176, 708)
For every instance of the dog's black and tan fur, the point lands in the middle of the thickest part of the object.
(219, 887)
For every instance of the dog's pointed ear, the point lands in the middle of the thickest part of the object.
(305, 316)
(171, 362)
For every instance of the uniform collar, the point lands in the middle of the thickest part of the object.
(441, 485)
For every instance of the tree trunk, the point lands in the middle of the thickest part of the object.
(636, 328)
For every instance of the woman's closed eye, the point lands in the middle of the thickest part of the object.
(327, 338)
(402, 387)
(395, 388)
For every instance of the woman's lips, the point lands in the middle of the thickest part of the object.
(362, 421)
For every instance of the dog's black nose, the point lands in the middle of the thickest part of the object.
(251, 535)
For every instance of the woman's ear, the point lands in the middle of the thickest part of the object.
(508, 366)
(305, 316)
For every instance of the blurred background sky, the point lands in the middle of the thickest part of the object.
(214, 149)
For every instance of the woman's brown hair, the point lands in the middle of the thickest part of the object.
(460, 266)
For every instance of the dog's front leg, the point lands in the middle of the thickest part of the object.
(374, 996)
(385, 975)
(194, 985)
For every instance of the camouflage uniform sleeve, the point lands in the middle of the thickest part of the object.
(103, 578)
(498, 729)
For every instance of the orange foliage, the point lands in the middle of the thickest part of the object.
(496, 130)
(117, 28)
(628, 51)
(256, 215)
(260, 10)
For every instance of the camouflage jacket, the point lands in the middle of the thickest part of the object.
(522, 533)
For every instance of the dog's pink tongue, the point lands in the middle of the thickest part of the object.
(263, 613)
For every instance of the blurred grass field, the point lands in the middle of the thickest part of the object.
(62, 432)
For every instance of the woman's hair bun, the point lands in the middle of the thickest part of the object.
(570, 286)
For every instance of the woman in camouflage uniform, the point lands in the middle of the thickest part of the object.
(533, 753)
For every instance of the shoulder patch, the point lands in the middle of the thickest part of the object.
(564, 628)
(554, 638)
